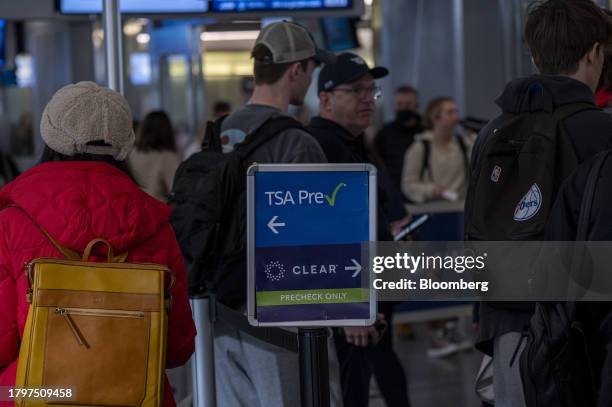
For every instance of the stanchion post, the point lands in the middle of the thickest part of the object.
(111, 16)
(203, 366)
(314, 367)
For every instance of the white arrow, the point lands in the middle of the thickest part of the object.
(356, 268)
(273, 225)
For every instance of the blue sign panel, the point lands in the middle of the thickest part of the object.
(136, 6)
(307, 228)
(203, 6)
(270, 5)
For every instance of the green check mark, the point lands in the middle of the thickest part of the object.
(332, 200)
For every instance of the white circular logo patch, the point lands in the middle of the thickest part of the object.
(529, 205)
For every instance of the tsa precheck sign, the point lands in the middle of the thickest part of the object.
(306, 226)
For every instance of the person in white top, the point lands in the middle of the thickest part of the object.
(154, 160)
(436, 165)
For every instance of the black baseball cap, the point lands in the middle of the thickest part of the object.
(348, 68)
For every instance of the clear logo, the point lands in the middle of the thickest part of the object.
(275, 271)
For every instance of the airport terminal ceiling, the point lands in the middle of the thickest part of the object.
(183, 61)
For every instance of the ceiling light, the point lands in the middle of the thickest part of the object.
(229, 36)
(143, 38)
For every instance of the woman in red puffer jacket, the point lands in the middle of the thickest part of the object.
(82, 191)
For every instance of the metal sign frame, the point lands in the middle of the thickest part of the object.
(372, 208)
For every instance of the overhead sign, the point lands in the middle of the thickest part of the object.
(307, 225)
(135, 6)
(215, 7)
(271, 5)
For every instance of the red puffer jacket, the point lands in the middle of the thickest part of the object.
(77, 202)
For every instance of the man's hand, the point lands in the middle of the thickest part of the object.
(364, 335)
(360, 335)
(437, 192)
(397, 225)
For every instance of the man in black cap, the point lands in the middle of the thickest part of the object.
(347, 93)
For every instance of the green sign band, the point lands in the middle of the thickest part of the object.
(304, 297)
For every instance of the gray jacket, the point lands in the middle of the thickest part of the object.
(291, 146)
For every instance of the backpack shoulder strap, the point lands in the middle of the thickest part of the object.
(565, 111)
(266, 132)
(578, 271)
(212, 136)
(426, 154)
(67, 252)
(589, 193)
(464, 154)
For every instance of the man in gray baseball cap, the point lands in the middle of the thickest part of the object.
(289, 42)
(258, 373)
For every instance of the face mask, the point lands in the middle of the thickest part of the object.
(409, 117)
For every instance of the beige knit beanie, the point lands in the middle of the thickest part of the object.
(84, 112)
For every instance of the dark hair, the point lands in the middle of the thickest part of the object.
(560, 32)
(156, 133)
(406, 89)
(49, 155)
(267, 73)
(221, 106)
(433, 109)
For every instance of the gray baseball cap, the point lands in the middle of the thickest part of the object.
(290, 42)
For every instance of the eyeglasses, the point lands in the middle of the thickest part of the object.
(362, 92)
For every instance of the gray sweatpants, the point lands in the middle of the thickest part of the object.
(507, 383)
(252, 373)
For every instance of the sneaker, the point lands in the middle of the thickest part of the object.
(440, 346)
(442, 350)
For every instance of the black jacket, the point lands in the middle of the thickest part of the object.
(562, 226)
(391, 144)
(340, 146)
(8, 170)
(590, 132)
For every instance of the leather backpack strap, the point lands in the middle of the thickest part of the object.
(69, 253)
(66, 252)
(110, 258)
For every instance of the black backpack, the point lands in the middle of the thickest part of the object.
(209, 219)
(556, 365)
(8, 170)
(521, 167)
